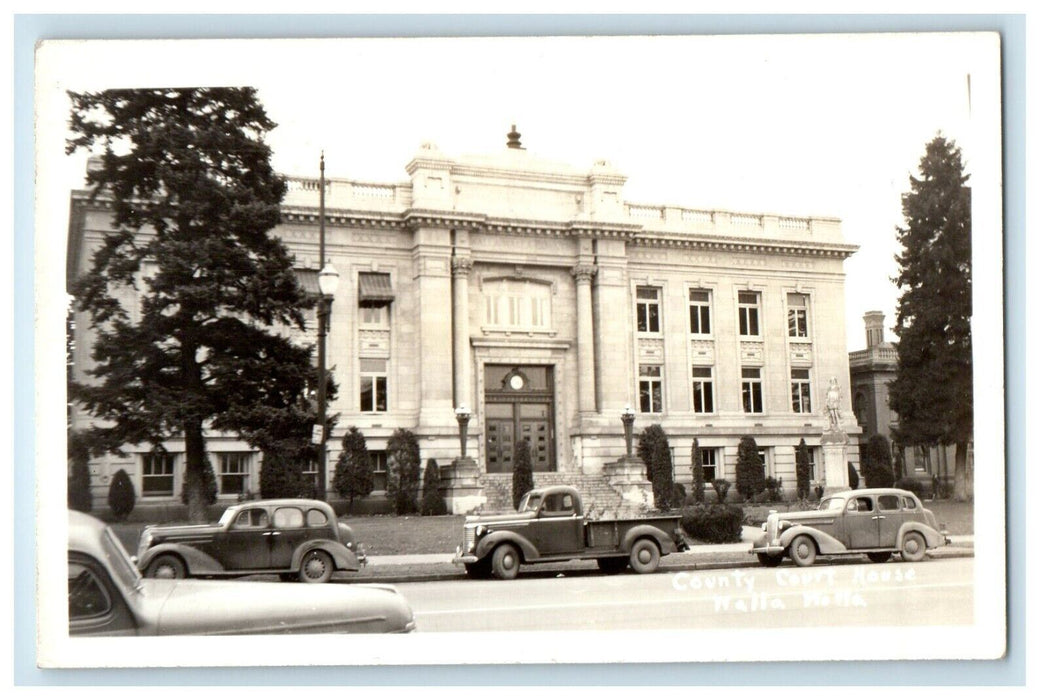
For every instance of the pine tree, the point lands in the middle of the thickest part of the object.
(432, 501)
(933, 391)
(749, 478)
(878, 473)
(354, 473)
(657, 457)
(79, 485)
(187, 176)
(803, 471)
(523, 477)
(404, 467)
(121, 495)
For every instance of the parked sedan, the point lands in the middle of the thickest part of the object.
(108, 596)
(296, 538)
(876, 522)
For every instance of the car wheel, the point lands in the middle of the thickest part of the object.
(803, 551)
(913, 547)
(879, 557)
(316, 567)
(478, 569)
(166, 566)
(613, 565)
(505, 563)
(644, 556)
(769, 560)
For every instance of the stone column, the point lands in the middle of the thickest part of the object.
(615, 319)
(583, 277)
(463, 380)
(432, 256)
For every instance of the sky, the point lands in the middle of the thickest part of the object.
(828, 125)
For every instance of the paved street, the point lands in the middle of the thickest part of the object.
(841, 594)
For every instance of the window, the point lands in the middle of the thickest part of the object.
(889, 502)
(748, 313)
(797, 315)
(761, 452)
(752, 390)
(158, 473)
(288, 517)
(910, 503)
(650, 389)
(709, 455)
(702, 389)
(87, 595)
(381, 471)
(252, 518)
(310, 474)
(517, 304)
(801, 390)
(701, 312)
(233, 468)
(316, 518)
(373, 385)
(647, 310)
(859, 408)
(374, 317)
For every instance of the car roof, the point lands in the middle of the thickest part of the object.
(274, 502)
(85, 534)
(871, 492)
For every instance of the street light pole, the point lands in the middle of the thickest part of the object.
(628, 416)
(327, 279)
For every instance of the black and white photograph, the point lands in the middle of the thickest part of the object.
(550, 349)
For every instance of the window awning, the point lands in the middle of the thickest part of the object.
(309, 280)
(376, 289)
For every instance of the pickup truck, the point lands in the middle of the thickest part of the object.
(549, 527)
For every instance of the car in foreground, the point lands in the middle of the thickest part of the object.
(876, 522)
(296, 538)
(108, 596)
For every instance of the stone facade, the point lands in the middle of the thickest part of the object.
(532, 293)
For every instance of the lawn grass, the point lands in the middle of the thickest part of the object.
(383, 535)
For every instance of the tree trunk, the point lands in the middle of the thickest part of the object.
(195, 457)
(964, 489)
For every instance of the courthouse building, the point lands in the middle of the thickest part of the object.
(534, 294)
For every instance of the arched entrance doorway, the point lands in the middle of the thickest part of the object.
(518, 405)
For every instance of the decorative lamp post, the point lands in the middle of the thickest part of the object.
(328, 279)
(463, 416)
(628, 417)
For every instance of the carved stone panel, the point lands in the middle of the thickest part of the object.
(800, 354)
(751, 353)
(703, 352)
(374, 343)
(650, 351)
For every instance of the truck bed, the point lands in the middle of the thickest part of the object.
(607, 534)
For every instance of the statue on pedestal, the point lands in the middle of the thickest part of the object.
(832, 405)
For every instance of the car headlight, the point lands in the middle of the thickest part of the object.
(480, 530)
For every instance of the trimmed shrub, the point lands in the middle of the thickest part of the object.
(773, 489)
(878, 477)
(679, 496)
(714, 523)
(404, 470)
(523, 476)
(656, 456)
(910, 484)
(852, 475)
(210, 485)
(432, 501)
(803, 471)
(721, 487)
(749, 472)
(121, 495)
(878, 459)
(281, 476)
(78, 494)
(819, 491)
(354, 473)
(697, 473)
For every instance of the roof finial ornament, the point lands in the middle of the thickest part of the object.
(514, 139)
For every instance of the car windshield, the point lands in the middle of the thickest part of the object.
(227, 516)
(830, 504)
(530, 503)
(119, 560)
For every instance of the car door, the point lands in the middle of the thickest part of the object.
(559, 528)
(861, 528)
(292, 526)
(244, 544)
(891, 517)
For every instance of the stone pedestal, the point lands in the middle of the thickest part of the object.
(628, 476)
(834, 457)
(460, 486)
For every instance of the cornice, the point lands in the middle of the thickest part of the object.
(747, 245)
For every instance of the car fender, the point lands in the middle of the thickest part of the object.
(930, 535)
(827, 544)
(665, 542)
(344, 558)
(492, 540)
(196, 562)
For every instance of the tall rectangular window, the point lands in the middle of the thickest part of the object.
(648, 310)
(702, 389)
(381, 470)
(233, 468)
(797, 315)
(158, 474)
(373, 385)
(752, 390)
(801, 390)
(701, 312)
(650, 389)
(311, 475)
(709, 459)
(748, 313)
(374, 317)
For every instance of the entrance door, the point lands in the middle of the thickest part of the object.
(509, 422)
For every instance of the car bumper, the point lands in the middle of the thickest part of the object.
(460, 558)
(769, 549)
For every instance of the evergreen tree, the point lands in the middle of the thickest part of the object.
(79, 485)
(354, 473)
(523, 477)
(878, 473)
(749, 478)
(697, 473)
(186, 173)
(404, 467)
(209, 485)
(657, 457)
(803, 470)
(281, 476)
(121, 495)
(933, 391)
(432, 501)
